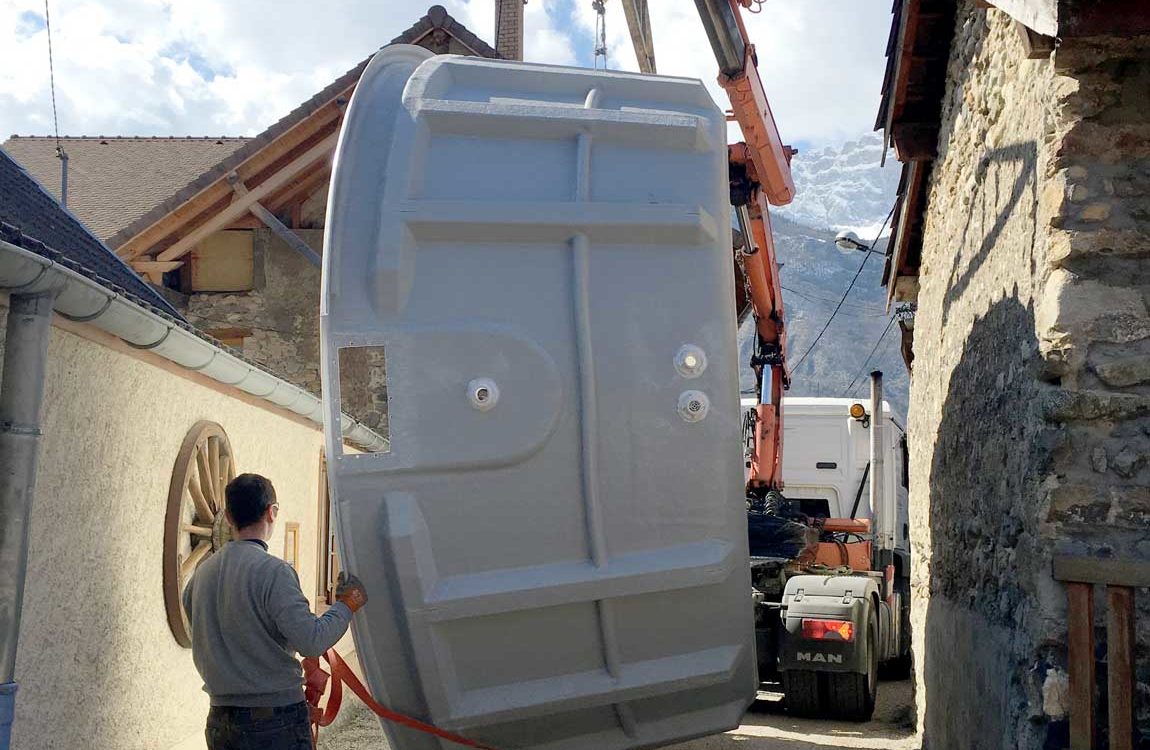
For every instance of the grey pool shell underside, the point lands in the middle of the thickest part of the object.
(555, 546)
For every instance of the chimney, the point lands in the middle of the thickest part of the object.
(509, 28)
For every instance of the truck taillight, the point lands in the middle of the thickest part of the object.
(828, 630)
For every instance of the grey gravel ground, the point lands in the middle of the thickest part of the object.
(766, 727)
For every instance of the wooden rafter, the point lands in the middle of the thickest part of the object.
(258, 169)
(241, 204)
(281, 230)
(269, 219)
(154, 270)
(300, 188)
(287, 156)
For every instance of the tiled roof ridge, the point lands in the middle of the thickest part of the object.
(132, 137)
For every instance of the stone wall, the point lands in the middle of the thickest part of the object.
(1032, 312)
(1094, 323)
(282, 310)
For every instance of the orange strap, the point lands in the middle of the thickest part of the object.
(315, 684)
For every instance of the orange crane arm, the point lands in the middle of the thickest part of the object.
(760, 171)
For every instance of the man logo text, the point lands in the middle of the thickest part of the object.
(820, 658)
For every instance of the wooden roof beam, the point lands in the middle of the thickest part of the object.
(299, 189)
(164, 227)
(154, 271)
(915, 141)
(269, 219)
(242, 203)
(281, 230)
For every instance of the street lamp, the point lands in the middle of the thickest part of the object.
(848, 240)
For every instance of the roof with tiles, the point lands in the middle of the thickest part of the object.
(114, 181)
(31, 218)
(438, 31)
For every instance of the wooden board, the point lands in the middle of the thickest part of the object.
(1120, 666)
(1133, 573)
(223, 262)
(1081, 657)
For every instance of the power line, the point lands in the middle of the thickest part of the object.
(851, 286)
(52, 76)
(865, 310)
(60, 153)
(885, 331)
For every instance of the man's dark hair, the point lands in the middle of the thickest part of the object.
(249, 496)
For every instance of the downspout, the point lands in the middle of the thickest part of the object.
(21, 399)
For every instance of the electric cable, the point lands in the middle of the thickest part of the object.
(885, 331)
(851, 286)
(52, 78)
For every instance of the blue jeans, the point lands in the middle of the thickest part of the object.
(279, 728)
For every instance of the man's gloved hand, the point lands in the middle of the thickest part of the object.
(350, 591)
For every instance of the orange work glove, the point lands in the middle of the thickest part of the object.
(350, 591)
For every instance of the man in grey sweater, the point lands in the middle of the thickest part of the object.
(248, 616)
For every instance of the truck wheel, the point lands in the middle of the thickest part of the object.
(801, 692)
(901, 666)
(852, 695)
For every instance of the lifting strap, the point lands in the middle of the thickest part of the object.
(315, 684)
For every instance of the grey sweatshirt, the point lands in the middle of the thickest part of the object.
(247, 615)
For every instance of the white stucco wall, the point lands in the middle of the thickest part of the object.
(98, 668)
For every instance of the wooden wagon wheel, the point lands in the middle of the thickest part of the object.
(195, 525)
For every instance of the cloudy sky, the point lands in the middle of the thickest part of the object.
(232, 67)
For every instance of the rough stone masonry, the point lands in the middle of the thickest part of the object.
(281, 309)
(1030, 403)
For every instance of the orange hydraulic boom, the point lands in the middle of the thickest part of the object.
(760, 170)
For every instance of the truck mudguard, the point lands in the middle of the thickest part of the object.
(826, 597)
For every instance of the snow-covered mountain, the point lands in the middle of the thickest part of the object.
(843, 187)
(836, 188)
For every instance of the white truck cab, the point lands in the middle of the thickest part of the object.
(826, 456)
(827, 468)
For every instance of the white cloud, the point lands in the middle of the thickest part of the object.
(206, 67)
(543, 40)
(212, 67)
(821, 61)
